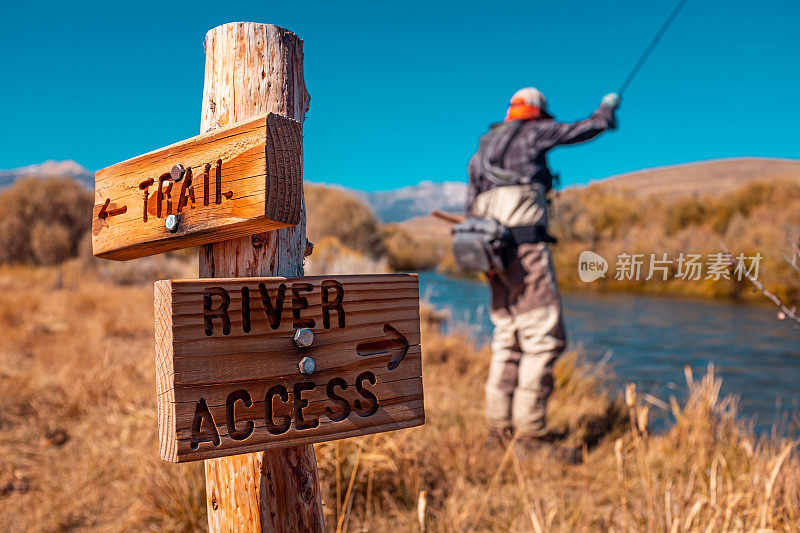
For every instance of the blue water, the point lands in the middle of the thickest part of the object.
(648, 340)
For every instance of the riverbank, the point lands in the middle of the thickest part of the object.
(648, 340)
(79, 449)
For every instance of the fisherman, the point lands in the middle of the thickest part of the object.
(508, 183)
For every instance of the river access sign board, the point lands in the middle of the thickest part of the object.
(248, 364)
(232, 182)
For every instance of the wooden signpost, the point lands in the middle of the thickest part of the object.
(255, 361)
(249, 364)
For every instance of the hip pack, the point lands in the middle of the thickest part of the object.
(484, 245)
(479, 245)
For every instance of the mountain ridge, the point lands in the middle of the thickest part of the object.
(50, 168)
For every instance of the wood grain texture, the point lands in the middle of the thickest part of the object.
(244, 178)
(253, 69)
(223, 349)
(165, 392)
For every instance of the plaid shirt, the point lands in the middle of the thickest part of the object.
(526, 155)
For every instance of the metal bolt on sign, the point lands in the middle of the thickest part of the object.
(177, 172)
(171, 223)
(303, 337)
(307, 365)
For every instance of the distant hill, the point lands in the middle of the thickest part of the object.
(706, 177)
(416, 200)
(59, 169)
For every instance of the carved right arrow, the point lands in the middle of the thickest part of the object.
(395, 343)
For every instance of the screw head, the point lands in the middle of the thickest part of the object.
(172, 222)
(307, 365)
(177, 172)
(303, 337)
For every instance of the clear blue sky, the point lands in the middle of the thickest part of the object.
(400, 91)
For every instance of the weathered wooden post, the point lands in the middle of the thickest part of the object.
(255, 362)
(253, 69)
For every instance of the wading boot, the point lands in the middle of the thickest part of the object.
(498, 439)
(529, 447)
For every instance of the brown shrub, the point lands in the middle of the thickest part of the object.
(757, 217)
(405, 251)
(50, 243)
(593, 213)
(336, 213)
(332, 257)
(42, 220)
(685, 212)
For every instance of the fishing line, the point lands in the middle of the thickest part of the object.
(649, 50)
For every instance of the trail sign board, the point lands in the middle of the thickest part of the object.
(238, 370)
(232, 182)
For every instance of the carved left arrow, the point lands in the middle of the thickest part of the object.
(105, 212)
(394, 342)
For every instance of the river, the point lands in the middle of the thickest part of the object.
(648, 340)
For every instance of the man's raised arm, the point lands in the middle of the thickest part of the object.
(575, 132)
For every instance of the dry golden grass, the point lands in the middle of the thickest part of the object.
(78, 440)
(78, 446)
(706, 473)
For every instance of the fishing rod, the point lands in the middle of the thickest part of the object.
(649, 50)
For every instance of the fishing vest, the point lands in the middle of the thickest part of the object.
(515, 200)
